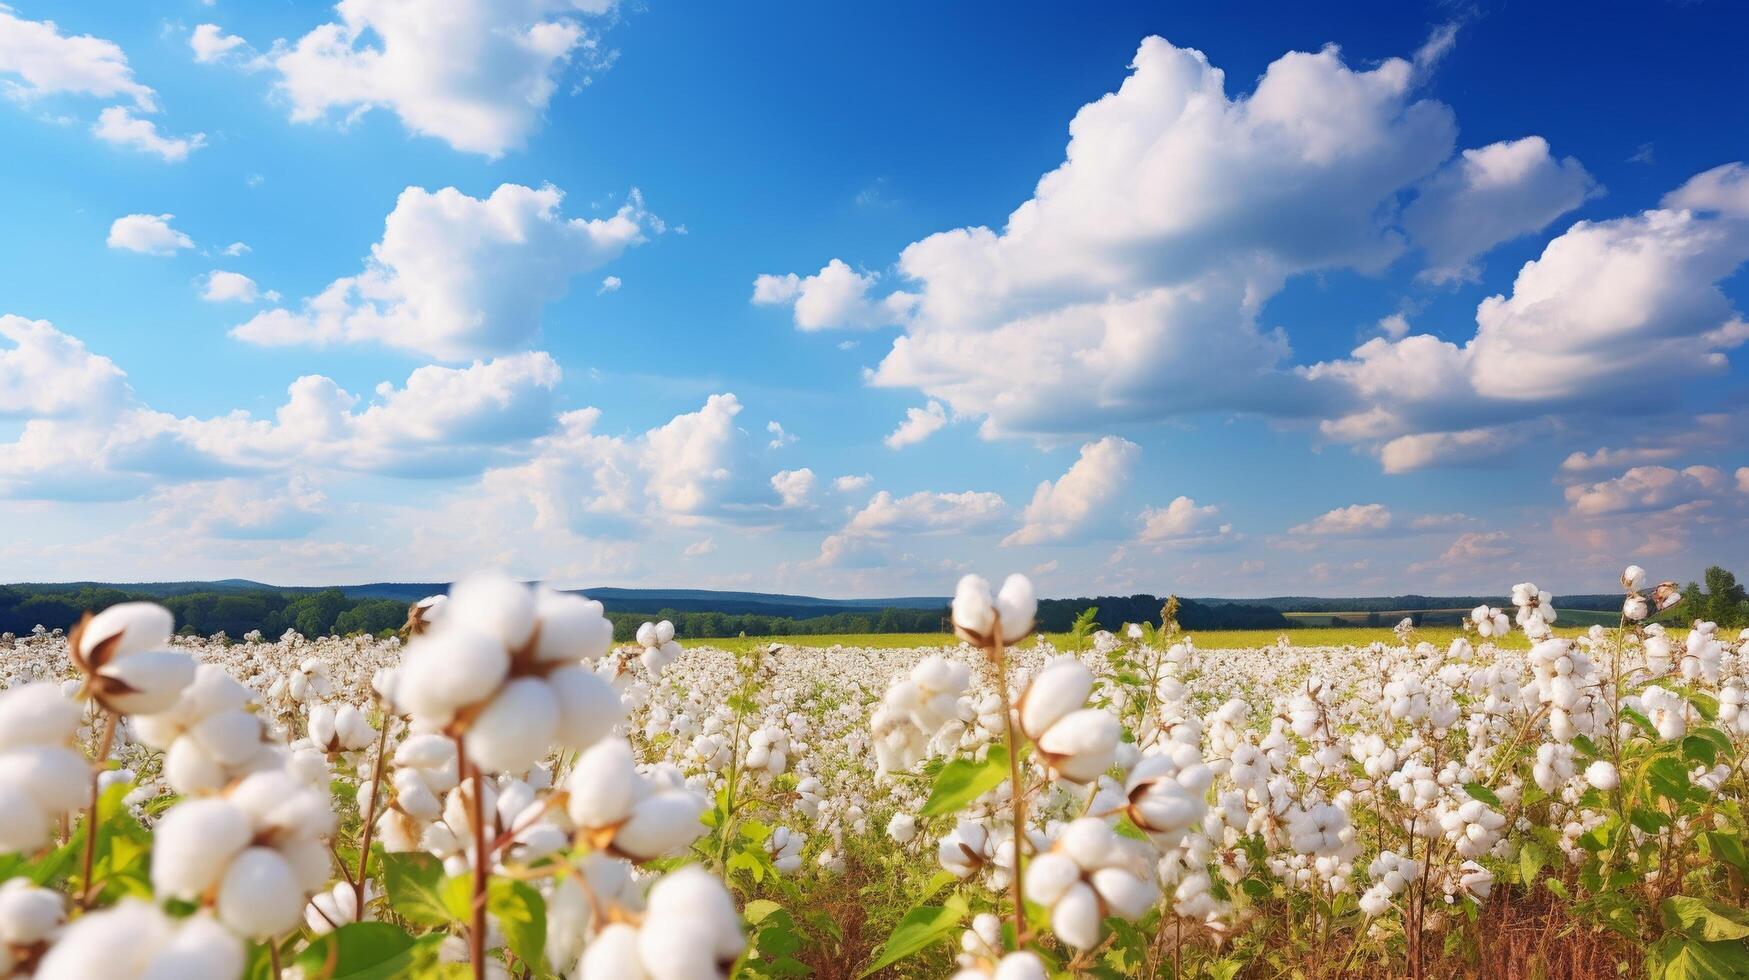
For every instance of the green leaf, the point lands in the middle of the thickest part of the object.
(415, 882)
(1701, 919)
(456, 894)
(358, 951)
(1727, 848)
(964, 780)
(1668, 778)
(1478, 791)
(1698, 749)
(522, 915)
(921, 928)
(1531, 857)
(1680, 958)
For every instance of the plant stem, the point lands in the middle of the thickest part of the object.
(477, 816)
(370, 815)
(1018, 796)
(97, 767)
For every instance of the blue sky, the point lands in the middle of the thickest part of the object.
(1188, 297)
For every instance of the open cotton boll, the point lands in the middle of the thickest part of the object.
(260, 895)
(145, 683)
(1061, 687)
(38, 783)
(1016, 605)
(690, 924)
(974, 610)
(571, 628)
(588, 707)
(447, 669)
(193, 844)
(136, 941)
(613, 955)
(1082, 745)
(492, 604)
(36, 714)
(28, 914)
(516, 728)
(664, 631)
(129, 628)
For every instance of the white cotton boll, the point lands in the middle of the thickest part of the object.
(1016, 605)
(259, 895)
(200, 949)
(1633, 578)
(155, 677)
(612, 955)
(664, 632)
(1082, 745)
(603, 785)
(54, 776)
(902, 828)
(193, 844)
(229, 737)
(661, 824)
(189, 768)
(1022, 965)
(1059, 688)
(114, 942)
(692, 896)
(1049, 876)
(36, 714)
(446, 669)
(974, 610)
(427, 751)
(494, 605)
(140, 626)
(1602, 775)
(647, 635)
(1126, 895)
(516, 728)
(28, 914)
(572, 628)
(1634, 607)
(1075, 917)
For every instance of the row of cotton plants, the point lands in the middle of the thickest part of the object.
(503, 792)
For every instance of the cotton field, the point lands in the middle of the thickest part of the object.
(506, 793)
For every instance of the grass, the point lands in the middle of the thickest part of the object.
(1207, 639)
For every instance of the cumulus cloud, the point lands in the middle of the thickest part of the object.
(117, 125)
(851, 484)
(1354, 519)
(210, 43)
(148, 234)
(1183, 524)
(456, 277)
(779, 438)
(836, 297)
(1644, 488)
(242, 509)
(793, 486)
(1606, 458)
(39, 60)
(1067, 506)
(45, 373)
(233, 287)
(1743, 479)
(1490, 195)
(919, 424)
(924, 512)
(477, 74)
(1723, 189)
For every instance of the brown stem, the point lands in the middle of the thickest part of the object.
(1018, 794)
(273, 956)
(97, 767)
(370, 815)
(477, 816)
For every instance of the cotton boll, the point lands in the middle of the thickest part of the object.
(129, 627)
(446, 669)
(28, 914)
(492, 605)
(1081, 746)
(1602, 775)
(153, 681)
(516, 728)
(588, 707)
(613, 955)
(1061, 687)
(200, 949)
(1016, 605)
(1075, 917)
(661, 824)
(974, 610)
(194, 843)
(603, 785)
(572, 628)
(36, 714)
(260, 894)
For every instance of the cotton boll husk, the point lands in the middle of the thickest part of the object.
(201, 949)
(446, 669)
(260, 895)
(156, 677)
(194, 843)
(1075, 917)
(588, 707)
(36, 714)
(142, 626)
(571, 628)
(516, 729)
(1061, 687)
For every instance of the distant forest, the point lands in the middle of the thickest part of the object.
(236, 608)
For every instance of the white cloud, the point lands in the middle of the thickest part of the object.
(779, 438)
(1743, 479)
(1723, 189)
(1644, 488)
(45, 373)
(242, 509)
(1183, 524)
(609, 284)
(1490, 195)
(851, 484)
(919, 424)
(477, 74)
(1129, 285)
(924, 512)
(793, 486)
(1430, 522)
(1351, 520)
(698, 549)
(1426, 449)
(233, 287)
(235, 249)
(118, 126)
(149, 234)
(210, 43)
(43, 61)
(1608, 459)
(456, 277)
(1061, 509)
(836, 297)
